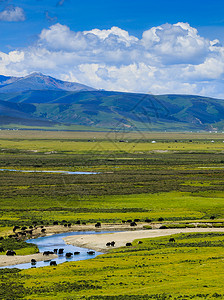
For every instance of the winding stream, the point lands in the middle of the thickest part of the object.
(48, 171)
(49, 243)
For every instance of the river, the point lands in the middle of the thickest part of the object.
(49, 243)
(48, 171)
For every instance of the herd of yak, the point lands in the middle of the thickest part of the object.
(24, 231)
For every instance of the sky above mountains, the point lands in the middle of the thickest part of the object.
(137, 45)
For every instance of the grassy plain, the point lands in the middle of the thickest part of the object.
(190, 268)
(179, 178)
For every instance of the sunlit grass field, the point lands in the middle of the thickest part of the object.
(171, 206)
(190, 268)
(82, 142)
(178, 178)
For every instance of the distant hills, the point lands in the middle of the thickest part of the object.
(37, 101)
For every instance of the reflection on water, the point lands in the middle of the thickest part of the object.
(47, 171)
(55, 242)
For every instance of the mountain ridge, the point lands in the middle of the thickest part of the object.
(38, 81)
(44, 99)
(104, 109)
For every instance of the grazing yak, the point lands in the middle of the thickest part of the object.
(15, 227)
(128, 244)
(48, 252)
(110, 244)
(76, 253)
(33, 261)
(12, 236)
(60, 251)
(148, 220)
(140, 242)
(69, 254)
(98, 225)
(53, 263)
(133, 224)
(43, 230)
(172, 240)
(10, 253)
(91, 252)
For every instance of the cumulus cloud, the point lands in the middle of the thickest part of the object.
(178, 43)
(166, 59)
(12, 14)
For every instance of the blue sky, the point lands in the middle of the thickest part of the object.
(56, 37)
(135, 16)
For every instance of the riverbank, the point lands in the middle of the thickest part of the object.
(55, 229)
(98, 241)
(22, 259)
(59, 229)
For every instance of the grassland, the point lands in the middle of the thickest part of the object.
(179, 178)
(190, 268)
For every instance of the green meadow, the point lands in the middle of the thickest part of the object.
(178, 178)
(190, 268)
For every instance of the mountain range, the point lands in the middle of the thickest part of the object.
(37, 101)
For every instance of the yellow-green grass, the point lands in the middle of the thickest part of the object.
(78, 142)
(115, 208)
(202, 183)
(192, 267)
(5, 230)
(23, 251)
(112, 135)
(107, 146)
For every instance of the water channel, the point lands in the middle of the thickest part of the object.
(49, 243)
(48, 171)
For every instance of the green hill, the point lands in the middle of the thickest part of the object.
(106, 110)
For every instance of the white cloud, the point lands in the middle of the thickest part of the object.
(118, 34)
(12, 14)
(178, 43)
(167, 59)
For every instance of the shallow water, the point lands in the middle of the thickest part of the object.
(56, 241)
(47, 171)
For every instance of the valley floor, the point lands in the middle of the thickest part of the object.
(176, 183)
